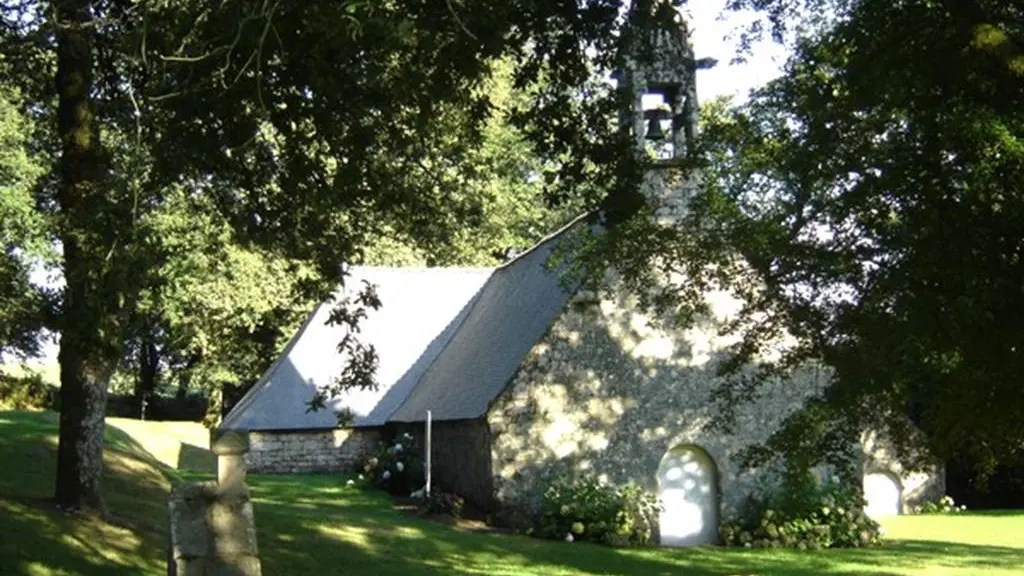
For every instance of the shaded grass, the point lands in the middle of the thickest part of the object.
(315, 524)
(38, 539)
(310, 524)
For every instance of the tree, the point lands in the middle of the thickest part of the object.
(212, 313)
(869, 203)
(215, 312)
(21, 232)
(310, 127)
(502, 179)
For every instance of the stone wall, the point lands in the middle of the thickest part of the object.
(337, 450)
(916, 486)
(211, 531)
(606, 394)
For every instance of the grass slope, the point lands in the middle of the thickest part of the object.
(312, 524)
(140, 464)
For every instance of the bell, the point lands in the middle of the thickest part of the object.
(654, 131)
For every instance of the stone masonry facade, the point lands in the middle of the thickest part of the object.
(916, 486)
(606, 394)
(337, 450)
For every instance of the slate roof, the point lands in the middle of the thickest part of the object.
(418, 307)
(512, 312)
(449, 340)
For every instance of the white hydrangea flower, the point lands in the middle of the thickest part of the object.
(398, 447)
(386, 474)
(407, 436)
(399, 466)
(350, 482)
(568, 537)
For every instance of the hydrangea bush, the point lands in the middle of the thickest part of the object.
(587, 510)
(944, 505)
(806, 516)
(397, 466)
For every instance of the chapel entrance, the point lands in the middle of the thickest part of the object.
(688, 487)
(883, 494)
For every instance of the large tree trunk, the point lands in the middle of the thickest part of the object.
(85, 367)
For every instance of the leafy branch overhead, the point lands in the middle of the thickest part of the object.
(867, 206)
(359, 359)
(307, 131)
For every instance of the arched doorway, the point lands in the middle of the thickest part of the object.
(688, 487)
(883, 494)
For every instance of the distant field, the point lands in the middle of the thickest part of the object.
(49, 371)
(318, 524)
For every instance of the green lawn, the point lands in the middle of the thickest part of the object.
(316, 525)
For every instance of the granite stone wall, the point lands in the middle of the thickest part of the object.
(212, 531)
(916, 486)
(605, 393)
(283, 452)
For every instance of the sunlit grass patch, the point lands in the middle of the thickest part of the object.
(319, 524)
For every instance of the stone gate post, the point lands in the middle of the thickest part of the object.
(212, 527)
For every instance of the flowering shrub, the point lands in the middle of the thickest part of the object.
(944, 505)
(397, 466)
(587, 510)
(810, 516)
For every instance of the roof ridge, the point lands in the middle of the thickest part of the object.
(575, 220)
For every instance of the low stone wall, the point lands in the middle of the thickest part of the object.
(212, 527)
(284, 452)
(211, 531)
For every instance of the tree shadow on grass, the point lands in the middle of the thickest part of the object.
(315, 524)
(909, 554)
(36, 536)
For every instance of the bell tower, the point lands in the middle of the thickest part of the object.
(658, 74)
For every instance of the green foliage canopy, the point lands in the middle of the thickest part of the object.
(22, 231)
(869, 203)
